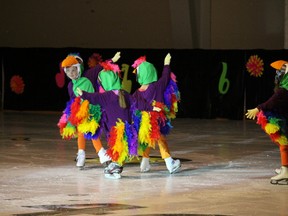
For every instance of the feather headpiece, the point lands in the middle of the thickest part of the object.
(109, 66)
(139, 61)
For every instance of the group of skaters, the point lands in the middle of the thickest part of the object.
(135, 123)
(132, 123)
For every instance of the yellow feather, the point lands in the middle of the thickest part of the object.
(93, 126)
(145, 128)
(124, 154)
(83, 127)
(118, 146)
(271, 128)
(282, 140)
(68, 132)
(88, 126)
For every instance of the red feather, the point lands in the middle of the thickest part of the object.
(75, 106)
(274, 137)
(111, 143)
(261, 120)
(155, 129)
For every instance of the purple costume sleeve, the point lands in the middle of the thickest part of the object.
(164, 80)
(96, 98)
(278, 102)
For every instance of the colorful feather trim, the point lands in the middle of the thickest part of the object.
(75, 106)
(80, 116)
(131, 135)
(150, 126)
(273, 125)
(145, 129)
(155, 133)
(172, 97)
(136, 118)
(69, 132)
(121, 142)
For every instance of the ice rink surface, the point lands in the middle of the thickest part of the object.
(226, 170)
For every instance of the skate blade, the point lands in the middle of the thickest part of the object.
(280, 182)
(113, 176)
(81, 167)
(175, 170)
(147, 169)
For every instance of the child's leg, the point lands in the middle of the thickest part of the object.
(97, 144)
(81, 141)
(103, 157)
(283, 174)
(145, 165)
(163, 147)
(146, 153)
(171, 164)
(81, 150)
(284, 154)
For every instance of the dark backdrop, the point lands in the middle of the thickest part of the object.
(198, 73)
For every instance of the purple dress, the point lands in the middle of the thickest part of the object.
(155, 91)
(109, 102)
(122, 140)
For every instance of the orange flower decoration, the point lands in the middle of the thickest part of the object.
(255, 66)
(94, 59)
(17, 84)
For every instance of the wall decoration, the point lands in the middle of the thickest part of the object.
(94, 59)
(60, 78)
(17, 84)
(254, 66)
(224, 83)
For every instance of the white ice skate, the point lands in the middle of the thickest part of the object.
(281, 178)
(103, 157)
(113, 171)
(278, 170)
(145, 165)
(173, 166)
(80, 158)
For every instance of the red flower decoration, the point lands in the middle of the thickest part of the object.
(60, 77)
(94, 59)
(17, 84)
(254, 66)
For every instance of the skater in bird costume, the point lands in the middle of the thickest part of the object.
(118, 106)
(153, 126)
(80, 119)
(272, 116)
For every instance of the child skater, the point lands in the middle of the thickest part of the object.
(73, 68)
(272, 116)
(118, 107)
(153, 90)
